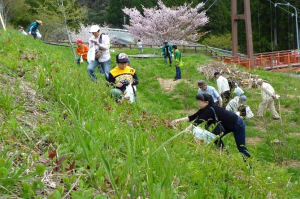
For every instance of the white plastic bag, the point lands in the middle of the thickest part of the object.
(129, 93)
(203, 134)
(91, 55)
(249, 113)
(81, 60)
(38, 35)
(238, 91)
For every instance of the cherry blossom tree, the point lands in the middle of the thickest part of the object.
(161, 23)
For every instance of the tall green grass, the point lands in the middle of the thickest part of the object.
(129, 150)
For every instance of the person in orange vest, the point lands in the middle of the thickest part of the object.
(82, 50)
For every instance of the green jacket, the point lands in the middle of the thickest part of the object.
(163, 50)
(177, 56)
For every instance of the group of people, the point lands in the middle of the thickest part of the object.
(33, 29)
(97, 54)
(99, 44)
(214, 104)
(230, 113)
(167, 51)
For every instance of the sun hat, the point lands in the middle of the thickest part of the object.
(244, 99)
(78, 41)
(202, 83)
(122, 58)
(39, 22)
(94, 28)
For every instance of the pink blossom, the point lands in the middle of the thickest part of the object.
(161, 23)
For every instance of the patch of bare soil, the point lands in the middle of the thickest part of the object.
(168, 85)
(292, 163)
(253, 140)
(294, 134)
(28, 98)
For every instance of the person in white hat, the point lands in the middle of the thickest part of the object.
(268, 95)
(101, 43)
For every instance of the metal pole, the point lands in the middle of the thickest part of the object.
(296, 15)
(297, 34)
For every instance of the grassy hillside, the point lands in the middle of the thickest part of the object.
(62, 135)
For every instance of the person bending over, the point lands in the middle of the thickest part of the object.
(230, 121)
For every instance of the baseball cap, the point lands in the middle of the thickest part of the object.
(78, 41)
(122, 58)
(216, 73)
(94, 28)
(244, 99)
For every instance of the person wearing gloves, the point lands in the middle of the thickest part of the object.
(33, 28)
(268, 95)
(237, 106)
(121, 76)
(223, 88)
(101, 43)
(230, 121)
(82, 51)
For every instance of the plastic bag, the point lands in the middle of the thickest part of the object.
(91, 55)
(249, 113)
(203, 134)
(38, 35)
(129, 93)
(81, 60)
(238, 91)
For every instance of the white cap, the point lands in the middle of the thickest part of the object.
(259, 80)
(94, 28)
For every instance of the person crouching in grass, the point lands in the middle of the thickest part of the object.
(122, 76)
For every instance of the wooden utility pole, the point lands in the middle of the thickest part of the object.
(234, 21)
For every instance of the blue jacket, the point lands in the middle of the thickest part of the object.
(163, 50)
(33, 27)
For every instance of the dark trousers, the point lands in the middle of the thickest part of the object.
(178, 73)
(239, 133)
(170, 59)
(34, 35)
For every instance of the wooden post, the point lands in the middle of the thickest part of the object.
(234, 29)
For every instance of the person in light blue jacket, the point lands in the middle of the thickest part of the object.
(33, 28)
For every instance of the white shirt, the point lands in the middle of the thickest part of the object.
(139, 44)
(234, 104)
(104, 46)
(267, 91)
(222, 84)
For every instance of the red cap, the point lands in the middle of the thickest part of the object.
(78, 41)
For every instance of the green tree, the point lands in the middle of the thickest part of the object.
(14, 12)
(52, 14)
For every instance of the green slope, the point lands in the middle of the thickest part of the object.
(53, 119)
